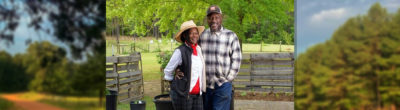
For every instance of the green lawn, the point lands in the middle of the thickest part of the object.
(151, 69)
(250, 48)
(149, 104)
(143, 45)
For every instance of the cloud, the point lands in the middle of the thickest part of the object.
(392, 5)
(332, 14)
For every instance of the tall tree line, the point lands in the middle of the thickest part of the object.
(358, 68)
(45, 68)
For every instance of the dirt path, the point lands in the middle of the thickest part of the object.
(28, 104)
(263, 105)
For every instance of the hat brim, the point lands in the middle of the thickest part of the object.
(178, 35)
(211, 12)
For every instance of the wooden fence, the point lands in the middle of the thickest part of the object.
(266, 72)
(261, 72)
(124, 74)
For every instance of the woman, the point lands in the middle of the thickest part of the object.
(186, 91)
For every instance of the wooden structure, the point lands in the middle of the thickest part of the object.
(124, 74)
(266, 72)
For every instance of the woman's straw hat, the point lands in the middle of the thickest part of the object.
(187, 25)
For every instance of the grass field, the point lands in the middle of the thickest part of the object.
(151, 69)
(149, 104)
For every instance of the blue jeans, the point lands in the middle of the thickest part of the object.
(218, 98)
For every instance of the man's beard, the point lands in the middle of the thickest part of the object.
(216, 30)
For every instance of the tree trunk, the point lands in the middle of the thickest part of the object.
(117, 29)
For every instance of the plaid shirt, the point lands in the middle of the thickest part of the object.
(221, 51)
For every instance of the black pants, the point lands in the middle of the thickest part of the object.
(191, 102)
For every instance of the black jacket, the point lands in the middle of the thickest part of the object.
(181, 86)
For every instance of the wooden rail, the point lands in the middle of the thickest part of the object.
(266, 72)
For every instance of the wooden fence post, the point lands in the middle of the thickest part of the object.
(293, 73)
(280, 44)
(251, 71)
(130, 83)
(115, 66)
(141, 71)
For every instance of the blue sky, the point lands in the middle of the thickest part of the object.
(23, 33)
(317, 20)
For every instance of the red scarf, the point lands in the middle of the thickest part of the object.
(196, 88)
(193, 46)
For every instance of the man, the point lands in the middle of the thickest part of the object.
(221, 51)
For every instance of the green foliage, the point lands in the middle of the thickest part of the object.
(12, 73)
(245, 17)
(48, 66)
(45, 68)
(89, 77)
(256, 38)
(287, 38)
(267, 17)
(356, 69)
(163, 58)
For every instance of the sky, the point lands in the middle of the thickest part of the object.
(317, 20)
(22, 33)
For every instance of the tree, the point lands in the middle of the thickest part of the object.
(87, 79)
(48, 65)
(77, 23)
(356, 69)
(13, 77)
(245, 17)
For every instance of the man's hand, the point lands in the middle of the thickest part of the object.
(178, 74)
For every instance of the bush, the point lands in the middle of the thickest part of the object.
(256, 38)
(163, 58)
(5, 104)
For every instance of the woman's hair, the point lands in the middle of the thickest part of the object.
(185, 35)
